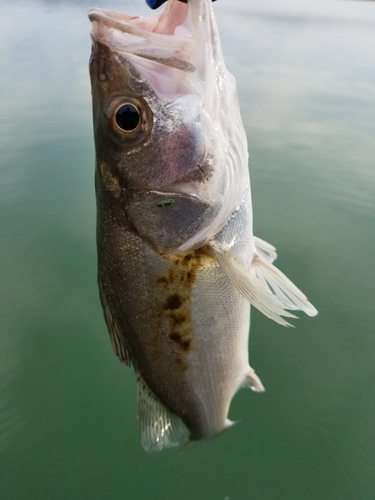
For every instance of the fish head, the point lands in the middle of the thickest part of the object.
(169, 138)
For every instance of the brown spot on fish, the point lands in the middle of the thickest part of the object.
(175, 288)
(174, 301)
(190, 277)
(162, 281)
(177, 320)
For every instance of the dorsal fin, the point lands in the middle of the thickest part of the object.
(159, 427)
(117, 339)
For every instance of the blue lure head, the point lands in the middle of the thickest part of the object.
(155, 4)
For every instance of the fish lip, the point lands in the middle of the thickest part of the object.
(116, 20)
(126, 23)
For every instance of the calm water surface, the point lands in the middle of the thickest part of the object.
(306, 76)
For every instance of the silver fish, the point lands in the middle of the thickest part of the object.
(177, 260)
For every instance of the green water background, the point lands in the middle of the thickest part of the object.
(68, 429)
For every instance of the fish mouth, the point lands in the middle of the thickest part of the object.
(164, 37)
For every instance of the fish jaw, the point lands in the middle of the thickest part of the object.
(174, 60)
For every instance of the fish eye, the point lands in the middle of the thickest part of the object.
(128, 117)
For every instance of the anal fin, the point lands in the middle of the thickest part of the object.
(159, 427)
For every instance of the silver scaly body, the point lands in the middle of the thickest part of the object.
(178, 262)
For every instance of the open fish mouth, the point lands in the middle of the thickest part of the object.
(165, 37)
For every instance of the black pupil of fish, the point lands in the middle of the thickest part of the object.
(127, 117)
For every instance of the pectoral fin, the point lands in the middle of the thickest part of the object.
(281, 286)
(264, 286)
(159, 427)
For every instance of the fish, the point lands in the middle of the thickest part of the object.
(178, 264)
